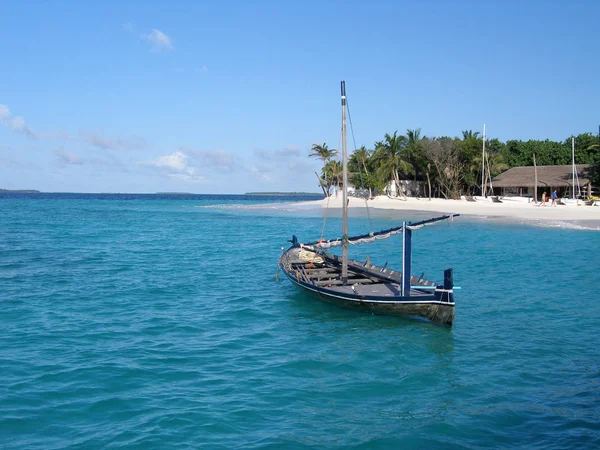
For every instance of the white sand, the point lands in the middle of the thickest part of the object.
(508, 209)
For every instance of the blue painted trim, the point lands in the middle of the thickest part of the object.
(406, 260)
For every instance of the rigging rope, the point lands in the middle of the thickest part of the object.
(371, 237)
(328, 197)
(359, 172)
(359, 169)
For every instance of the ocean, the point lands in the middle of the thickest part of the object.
(152, 321)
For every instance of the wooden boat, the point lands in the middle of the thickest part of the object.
(361, 285)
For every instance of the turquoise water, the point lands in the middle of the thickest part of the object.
(159, 323)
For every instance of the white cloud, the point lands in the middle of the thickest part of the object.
(65, 158)
(176, 165)
(57, 134)
(176, 161)
(112, 143)
(15, 123)
(273, 155)
(158, 40)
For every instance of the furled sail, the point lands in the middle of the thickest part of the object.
(372, 237)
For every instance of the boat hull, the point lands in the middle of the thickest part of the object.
(434, 305)
(435, 312)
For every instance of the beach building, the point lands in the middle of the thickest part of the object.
(411, 188)
(521, 181)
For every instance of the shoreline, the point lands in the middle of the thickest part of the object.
(509, 209)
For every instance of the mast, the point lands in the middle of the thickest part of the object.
(573, 153)
(406, 259)
(535, 180)
(344, 191)
(483, 165)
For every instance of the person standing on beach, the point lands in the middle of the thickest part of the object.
(554, 198)
(543, 203)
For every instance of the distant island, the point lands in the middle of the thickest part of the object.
(174, 193)
(284, 194)
(21, 191)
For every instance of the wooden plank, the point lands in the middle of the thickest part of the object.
(360, 280)
(322, 270)
(304, 275)
(329, 282)
(335, 282)
(321, 276)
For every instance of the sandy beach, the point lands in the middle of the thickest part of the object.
(510, 209)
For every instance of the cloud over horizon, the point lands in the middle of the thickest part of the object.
(175, 165)
(117, 142)
(158, 40)
(65, 158)
(15, 123)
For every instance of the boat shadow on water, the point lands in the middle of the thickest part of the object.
(324, 313)
(369, 332)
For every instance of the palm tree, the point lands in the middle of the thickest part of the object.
(413, 149)
(325, 154)
(360, 157)
(390, 158)
(468, 134)
(470, 149)
(496, 163)
(331, 173)
(322, 152)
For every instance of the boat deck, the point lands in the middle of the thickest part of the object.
(363, 278)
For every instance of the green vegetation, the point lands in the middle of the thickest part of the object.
(448, 167)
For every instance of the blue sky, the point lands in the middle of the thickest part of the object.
(229, 96)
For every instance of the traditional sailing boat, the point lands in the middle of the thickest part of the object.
(361, 285)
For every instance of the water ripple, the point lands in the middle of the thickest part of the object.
(160, 324)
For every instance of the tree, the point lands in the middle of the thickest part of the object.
(444, 154)
(331, 174)
(390, 159)
(470, 154)
(413, 150)
(322, 152)
(325, 154)
(358, 161)
(468, 134)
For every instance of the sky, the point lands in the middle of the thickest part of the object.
(228, 97)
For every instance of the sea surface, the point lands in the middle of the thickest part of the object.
(153, 321)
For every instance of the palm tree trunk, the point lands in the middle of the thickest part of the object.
(367, 174)
(429, 185)
(399, 190)
(321, 184)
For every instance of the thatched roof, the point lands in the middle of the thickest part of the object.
(551, 176)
